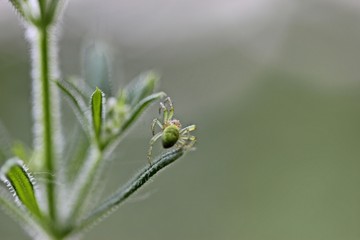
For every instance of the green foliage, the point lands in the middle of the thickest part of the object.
(129, 104)
(96, 66)
(49, 210)
(97, 108)
(17, 178)
(76, 100)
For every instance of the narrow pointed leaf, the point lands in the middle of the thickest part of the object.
(77, 146)
(141, 87)
(21, 184)
(21, 151)
(97, 112)
(17, 6)
(140, 107)
(81, 87)
(55, 9)
(5, 143)
(133, 185)
(76, 100)
(96, 65)
(51, 11)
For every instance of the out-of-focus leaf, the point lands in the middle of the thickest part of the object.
(129, 104)
(141, 87)
(96, 66)
(20, 215)
(133, 116)
(140, 107)
(76, 100)
(81, 87)
(5, 144)
(20, 150)
(51, 11)
(21, 184)
(97, 112)
(109, 205)
(18, 7)
(76, 149)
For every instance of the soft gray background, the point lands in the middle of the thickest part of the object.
(274, 88)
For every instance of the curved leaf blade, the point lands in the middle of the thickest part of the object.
(76, 101)
(141, 87)
(18, 7)
(110, 204)
(140, 107)
(21, 184)
(97, 65)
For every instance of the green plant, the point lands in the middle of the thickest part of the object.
(49, 210)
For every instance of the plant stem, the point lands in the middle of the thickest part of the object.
(45, 107)
(85, 181)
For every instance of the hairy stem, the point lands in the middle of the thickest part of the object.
(45, 107)
(131, 187)
(29, 224)
(85, 181)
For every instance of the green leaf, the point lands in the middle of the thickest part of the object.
(97, 112)
(5, 143)
(76, 100)
(141, 87)
(133, 116)
(51, 11)
(20, 150)
(21, 184)
(140, 107)
(81, 87)
(18, 7)
(76, 149)
(110, 204)
(96, 65)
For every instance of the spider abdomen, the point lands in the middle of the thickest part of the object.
(170, 136)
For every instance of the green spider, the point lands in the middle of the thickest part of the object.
(171, 132)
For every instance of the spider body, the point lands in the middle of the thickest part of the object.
(171, 132)
(170, 136)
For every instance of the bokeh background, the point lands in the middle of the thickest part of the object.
(274, 88)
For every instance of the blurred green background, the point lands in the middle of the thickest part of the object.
(273, 87)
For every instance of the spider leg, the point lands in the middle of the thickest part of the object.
(191, 142)
(154, 122)
(165, 111)
(186, 140)
(187, 129)
(180, 143)
(171, 107)
(152, 141)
